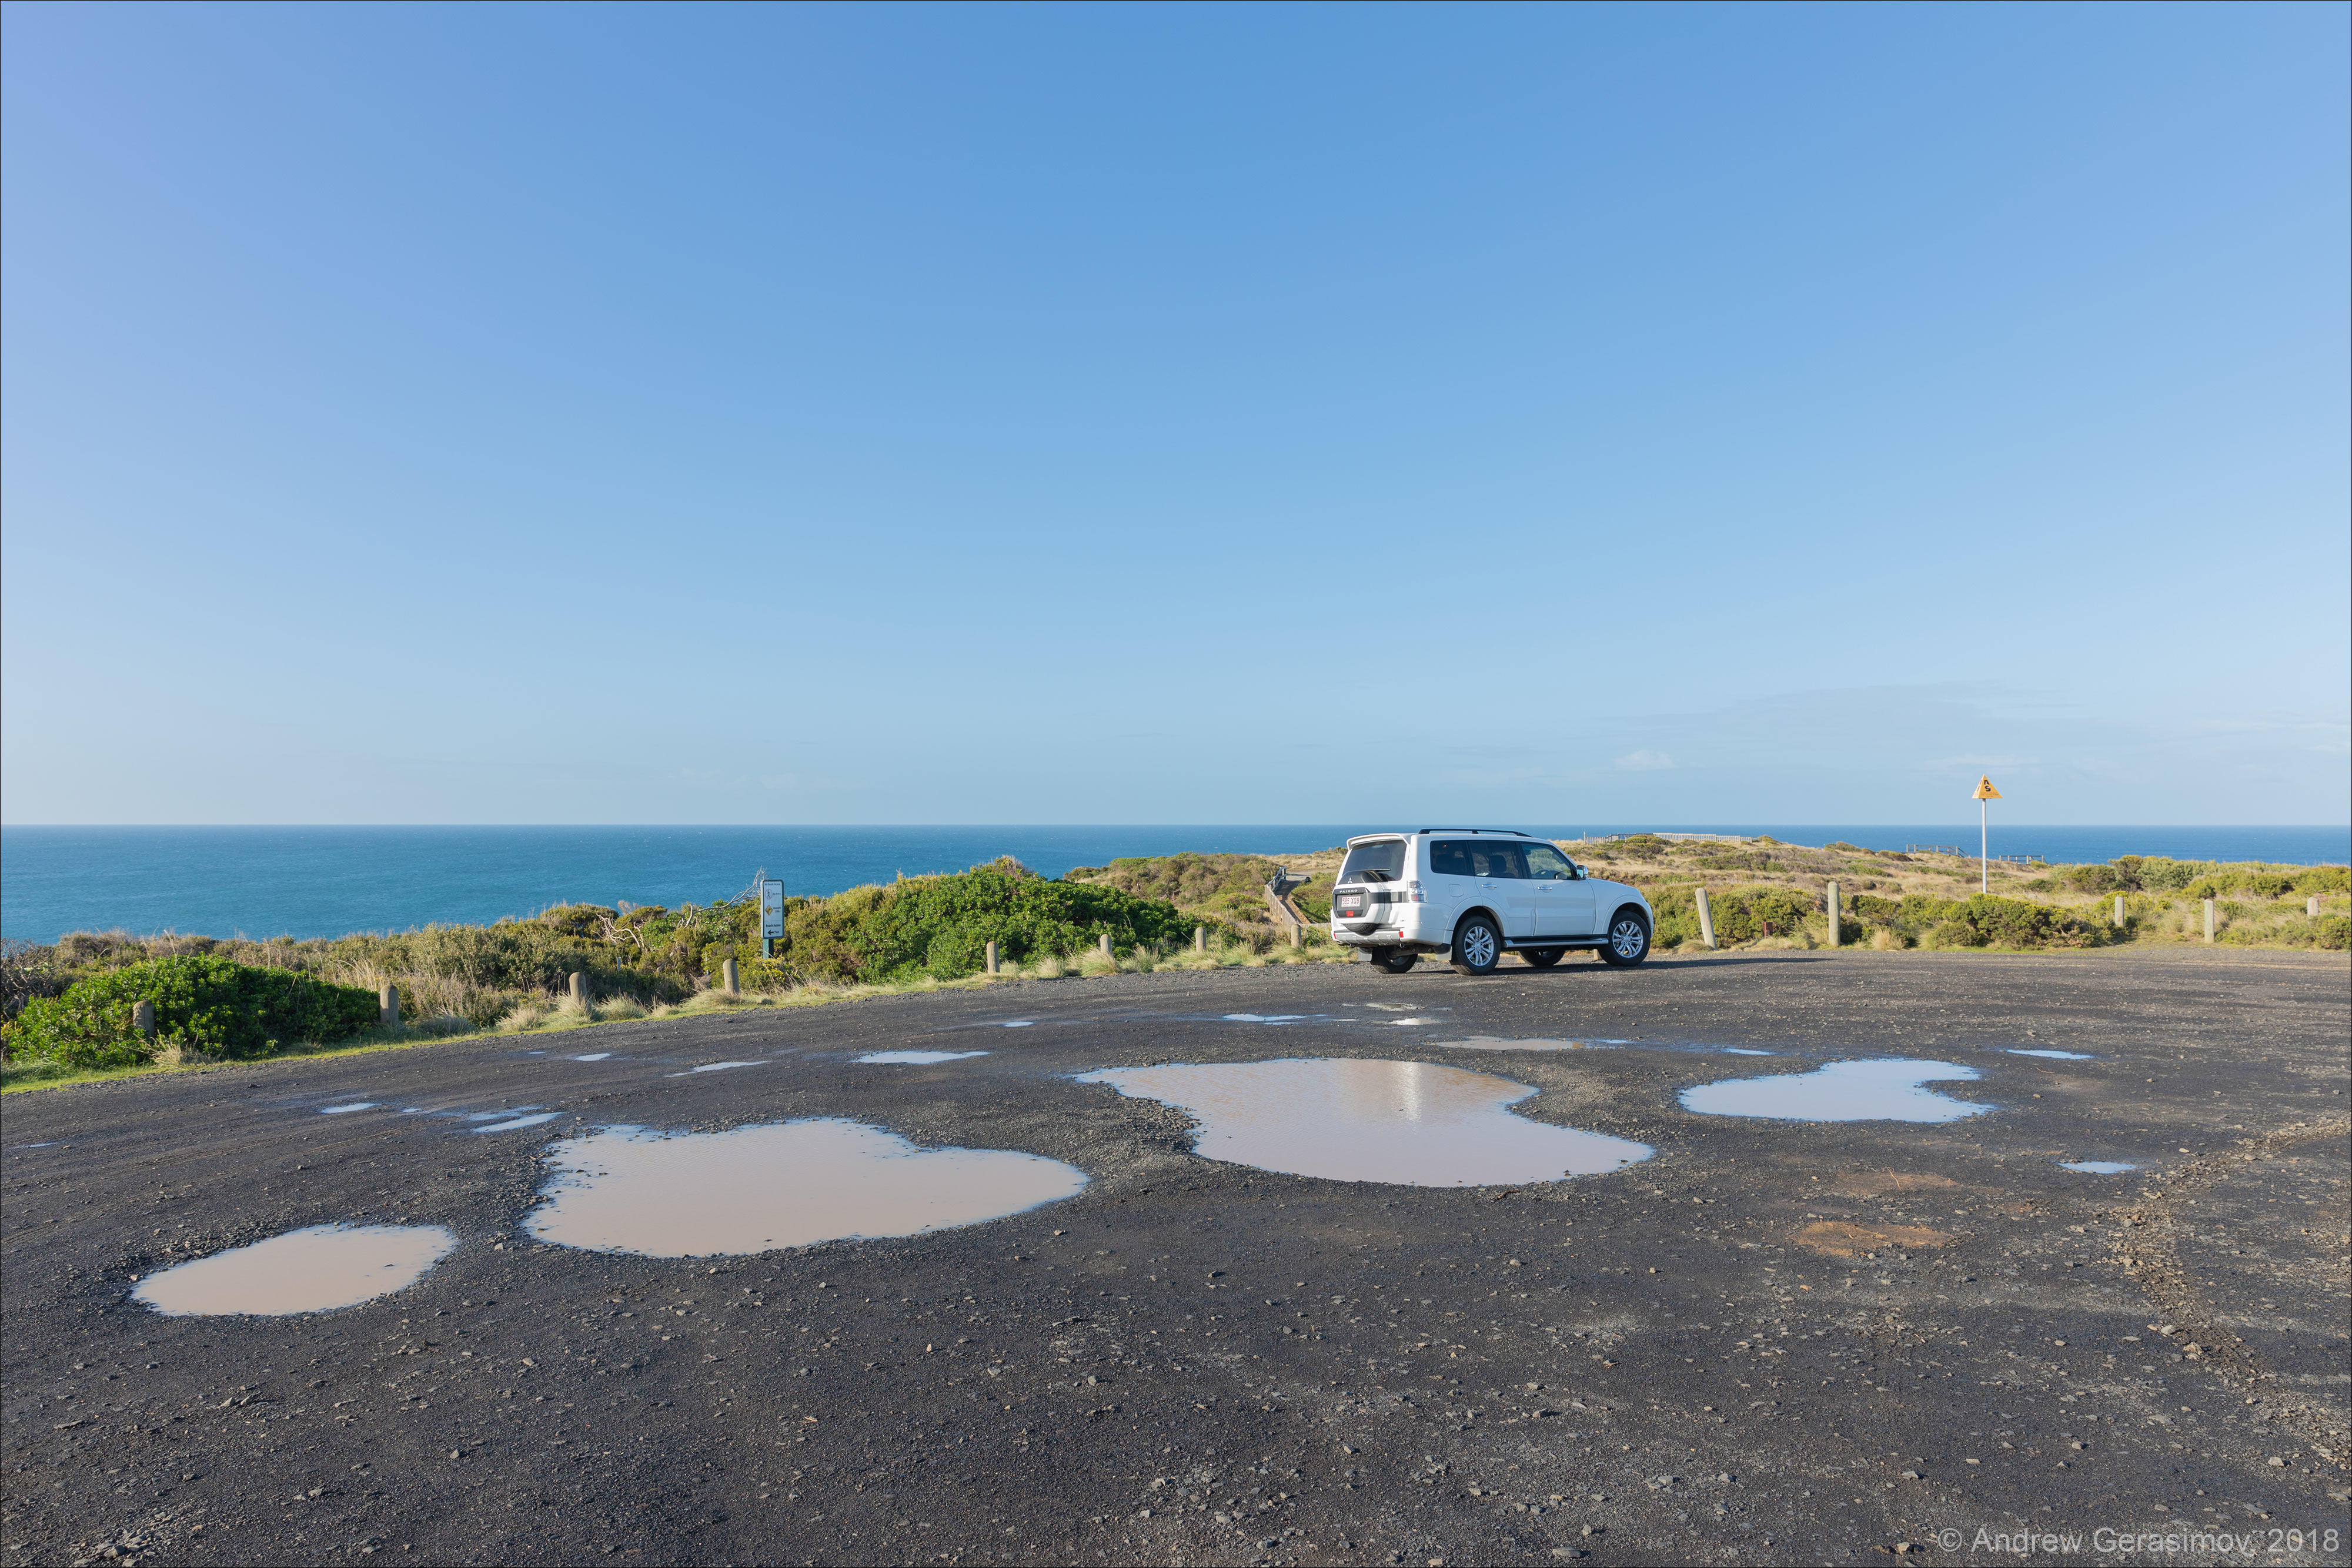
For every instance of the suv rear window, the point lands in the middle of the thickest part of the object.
(1380, 862)
(1472, 857)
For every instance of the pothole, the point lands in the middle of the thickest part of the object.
(1886, 1090)
(315, 1269)
(1412, 1124)
(789, 1184)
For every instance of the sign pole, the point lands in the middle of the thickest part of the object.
(1985, 792)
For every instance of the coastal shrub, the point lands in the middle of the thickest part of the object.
(2093, 878)
(2325, 879)
(941, 925)
(209, 1004)
(1984, 920)
(1742, 914)
(2335, 931)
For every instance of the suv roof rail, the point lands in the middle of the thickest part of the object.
(1512, 832)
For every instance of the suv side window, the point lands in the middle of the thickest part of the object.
(1549, 864)
(1503, 861)
(1450, 857)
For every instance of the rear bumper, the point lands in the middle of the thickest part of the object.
(1405, 934)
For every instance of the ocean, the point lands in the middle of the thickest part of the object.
(325, 881)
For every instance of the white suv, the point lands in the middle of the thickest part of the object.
(1476, 893)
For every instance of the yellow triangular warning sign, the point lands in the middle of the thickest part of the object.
(1985, 792)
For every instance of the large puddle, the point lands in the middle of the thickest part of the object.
(311, 1271)
(1413, 1123)
(790, 1183)
(1881, 1090)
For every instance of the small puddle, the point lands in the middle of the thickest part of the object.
(1744, 1050)
(346, 1109)
(311, 1271)
(789, 1184)
(1266, 1018)
(1019, 1023)
(2061, 1055)
(713, 1067)
(1412, 1124)
(1885, 1090)
(594, 1056)
(1491, 1042)
(919, 1056)
(519, 1122)
(2097, 1167)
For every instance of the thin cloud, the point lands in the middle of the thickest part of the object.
(1645, 761)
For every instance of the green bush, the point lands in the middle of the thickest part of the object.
(2325, 879)
(1741, 913)
(2335, 931)
(1985, 920)
(942, 926)
(2094, 878)
(218, 1007)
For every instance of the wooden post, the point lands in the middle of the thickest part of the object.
(1104, 943)
(1834, 914)
(2119, 911)
(143, 1019)
(726, 977)
(1705, 920)
(1201, 933)
(2209, 920)
(387, 1005)
(992, 955)
(580, 988)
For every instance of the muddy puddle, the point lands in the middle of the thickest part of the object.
(919, 1058)
(2097, 1167)
(2061, 1055)
(1411, 1124)
(1493, 1043)
(516, 1123)
(309, 1270)
(789, 1184)
(1886, 1090)
(714, 1067)
(346, 1109)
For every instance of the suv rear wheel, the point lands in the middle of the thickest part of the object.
(1629, 939)
(1478, 947)
(1394, 961)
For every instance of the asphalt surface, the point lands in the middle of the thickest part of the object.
(1191, 1361)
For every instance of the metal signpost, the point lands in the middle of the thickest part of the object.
(772, 916)
(1985, 792)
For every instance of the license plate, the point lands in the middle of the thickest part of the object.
(1352, 907)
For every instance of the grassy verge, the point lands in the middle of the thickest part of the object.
(553, 1017)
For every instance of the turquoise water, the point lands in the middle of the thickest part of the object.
(324, 881)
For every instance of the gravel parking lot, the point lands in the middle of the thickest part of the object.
(1772, 1340)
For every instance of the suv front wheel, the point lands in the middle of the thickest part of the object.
(1478, 947)
(1629, 940)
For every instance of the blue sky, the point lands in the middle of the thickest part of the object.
(1188, 414)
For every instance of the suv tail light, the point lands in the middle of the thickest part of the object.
(1408, 892)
